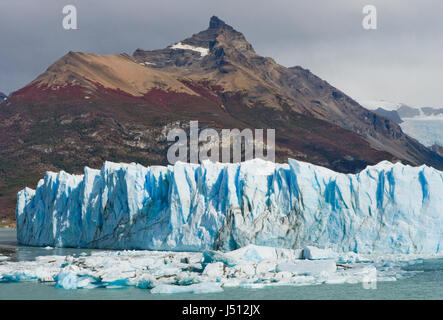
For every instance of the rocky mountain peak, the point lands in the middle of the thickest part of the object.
(218, 32)
(208, 50)
(225, 38)
(216, 23)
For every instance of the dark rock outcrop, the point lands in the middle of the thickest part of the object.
(391, 115)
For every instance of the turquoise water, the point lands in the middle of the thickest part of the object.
(427, 284)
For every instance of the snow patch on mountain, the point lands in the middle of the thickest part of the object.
(203, 51)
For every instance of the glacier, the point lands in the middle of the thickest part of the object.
(385, 209)
(428, 131)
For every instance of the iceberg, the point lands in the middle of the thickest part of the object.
(251, 253)
(308, 267)
(385, 209)
(313, 253)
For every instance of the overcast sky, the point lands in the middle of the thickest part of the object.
(401, 61)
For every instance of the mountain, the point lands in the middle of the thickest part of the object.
(391, 115)
(86, 109)
(2, 97)
(190, 207)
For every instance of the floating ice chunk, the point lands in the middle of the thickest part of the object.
(251, 253)
(252, 285)
(72, 280)
(17, 277)
(66, 280)
(74, 277)
(43, 269)
(142, 280)
(204, 287)
(366, 274)
(45, 274)
(214, 270)
(303, 280)
(254, 253)
(210, 256)
(3, 258)
(86, 282)
(166, 271)
(243, 270)
(230, 282)
(314, 253)
(265, 267)
(308, 267)
(186, 279)
(283, 276)
(348, 257)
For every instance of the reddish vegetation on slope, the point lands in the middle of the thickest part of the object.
(41, 92)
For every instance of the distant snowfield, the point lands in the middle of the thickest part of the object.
(427, 129)
(203, 51)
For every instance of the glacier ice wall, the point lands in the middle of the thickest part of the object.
(386, 208)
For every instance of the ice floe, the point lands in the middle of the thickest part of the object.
(164, 272)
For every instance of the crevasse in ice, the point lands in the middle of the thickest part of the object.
(386, 208)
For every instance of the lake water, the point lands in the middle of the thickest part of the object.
(427, 284)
